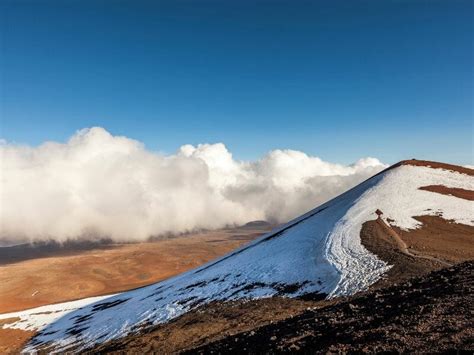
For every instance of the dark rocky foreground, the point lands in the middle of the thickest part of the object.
(432, 313)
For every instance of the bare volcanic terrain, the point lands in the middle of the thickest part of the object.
(238, 326)
(33, 276)
(427, 314)
(385, 266)
(36, 275)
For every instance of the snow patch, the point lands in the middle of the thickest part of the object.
(37, 318)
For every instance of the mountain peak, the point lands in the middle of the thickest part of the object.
(319, 254)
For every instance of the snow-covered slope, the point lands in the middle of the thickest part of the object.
(318, 253)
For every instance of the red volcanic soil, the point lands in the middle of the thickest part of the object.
(12, 340)
(436, 165)
(439, 238)
(27, 282)
(450, 191)
(436, 244)
(32, 277)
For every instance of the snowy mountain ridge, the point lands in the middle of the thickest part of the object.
(318, 254)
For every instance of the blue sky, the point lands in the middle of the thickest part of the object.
(336, 79)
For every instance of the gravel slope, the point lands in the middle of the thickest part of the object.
(426, 314)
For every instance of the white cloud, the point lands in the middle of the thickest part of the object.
(98, 185)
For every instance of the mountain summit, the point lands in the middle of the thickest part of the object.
(317, 255)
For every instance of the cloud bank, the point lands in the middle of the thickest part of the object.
(102, 186)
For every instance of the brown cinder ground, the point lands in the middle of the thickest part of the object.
(207, 324)
(436, 165)
(440, 238)
(428, 314)
(51, 275)
(450, 191)
(437, 243)
(111, 268)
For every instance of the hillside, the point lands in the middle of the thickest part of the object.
(360, 240)
(427, 314)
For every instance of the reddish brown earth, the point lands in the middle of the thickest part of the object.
(436, 165)
(46, 275)
(381, 240)
(452, 242)
(450, 191)
(12, 340)
(110, 268)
